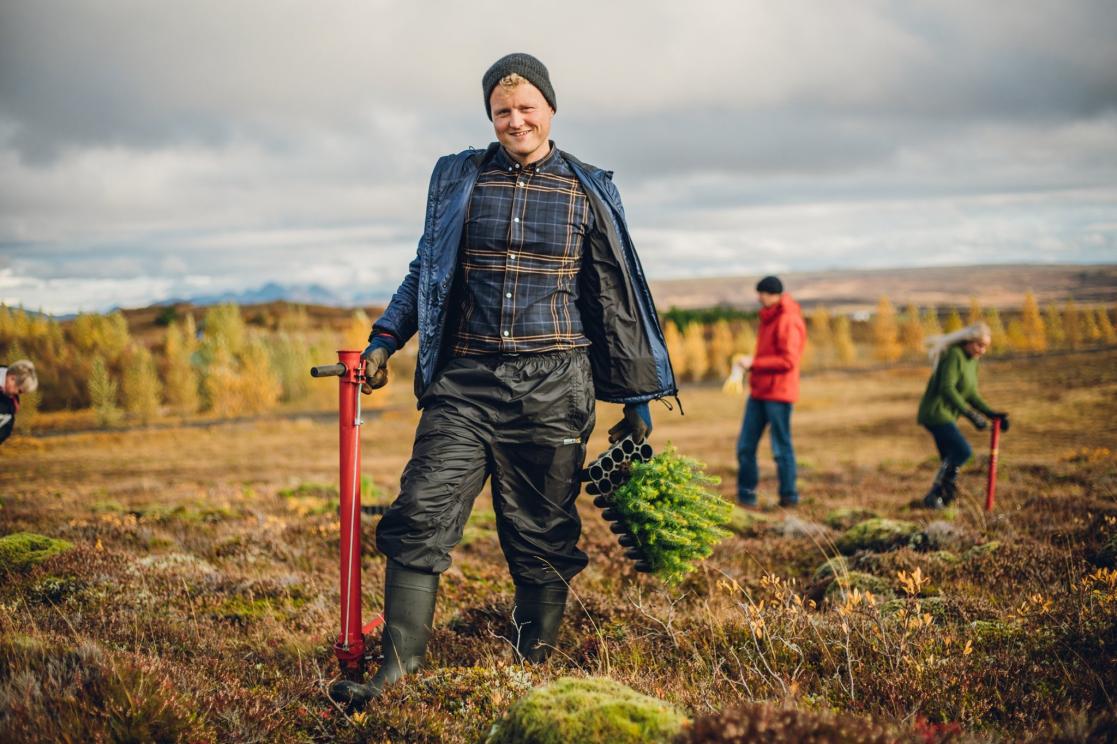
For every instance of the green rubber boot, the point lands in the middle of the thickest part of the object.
(537, 615)
(409, 598)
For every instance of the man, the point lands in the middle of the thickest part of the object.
(15, 380)
(529, 302)
(773, 390)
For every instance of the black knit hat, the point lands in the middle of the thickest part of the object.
(770, 284)
(524, 65)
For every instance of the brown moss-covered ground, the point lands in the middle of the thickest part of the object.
(199, 600)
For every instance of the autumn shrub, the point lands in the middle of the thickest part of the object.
(767, 723)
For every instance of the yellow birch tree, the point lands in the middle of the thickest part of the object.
(721, 348)
(180, 377)
(1108, 334)
(1056, 331)
(953, 321)
(931, 325)
(820, 337)
(885, 333)
(675, 348)
(998, 337)
(975, 315)
(697, 357)
(843, 341)
(1033, 327)
(140, 384)
(102, 393)
(911, 333)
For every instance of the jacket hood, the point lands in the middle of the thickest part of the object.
(786, 305)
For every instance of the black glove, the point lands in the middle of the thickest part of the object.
(375, 357)
(979, 422)
(637, 421)
(1002, 416)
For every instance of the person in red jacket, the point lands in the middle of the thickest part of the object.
(773, 390)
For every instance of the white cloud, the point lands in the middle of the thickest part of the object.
(142, 144)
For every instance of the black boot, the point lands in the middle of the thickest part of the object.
(949, 484)
(408, 615)
(538, 615)
(934, 498)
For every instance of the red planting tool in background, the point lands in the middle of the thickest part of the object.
(350, 645)
(994, 446)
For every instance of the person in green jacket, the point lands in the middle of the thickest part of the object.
(952, 392)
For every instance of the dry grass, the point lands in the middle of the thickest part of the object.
(199, 602)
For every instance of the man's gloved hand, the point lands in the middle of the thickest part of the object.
(376, 367)
(637, 421)
(1002, 416)
(979, 422)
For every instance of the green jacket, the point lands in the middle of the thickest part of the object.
(951, 390)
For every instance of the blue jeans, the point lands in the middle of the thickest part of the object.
(953, 448)
(758, 415)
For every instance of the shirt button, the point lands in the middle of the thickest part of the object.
(508, 295)
(519, 183)
(515, 219)
(511, 256)
(506, 333)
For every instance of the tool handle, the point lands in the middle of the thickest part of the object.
(328, 370)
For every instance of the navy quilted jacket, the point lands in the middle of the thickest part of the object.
(627, 353)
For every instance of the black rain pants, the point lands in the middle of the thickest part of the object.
(522, 420)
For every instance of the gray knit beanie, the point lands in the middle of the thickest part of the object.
(524, 65)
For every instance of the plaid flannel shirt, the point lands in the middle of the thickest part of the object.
(522, 249)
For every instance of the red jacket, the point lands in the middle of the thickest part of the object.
(779, 346)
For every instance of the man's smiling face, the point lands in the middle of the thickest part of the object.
(522, 120)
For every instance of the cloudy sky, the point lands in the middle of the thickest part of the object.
(159, 149)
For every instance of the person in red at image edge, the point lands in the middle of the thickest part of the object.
(529, 302)
(15, 379)
(773, 390)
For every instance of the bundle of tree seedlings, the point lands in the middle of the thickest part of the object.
(660, 506)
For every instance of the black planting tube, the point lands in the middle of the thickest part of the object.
(611, 515)
(607, 464)
(634, 554)
(617, 478)
(602, 502)
(593, 490)
(628, 541)
(605, 486)
(643, 567)
(596, 472)
(618, 529)
(628, 446)
(328, 370)
(646, 452)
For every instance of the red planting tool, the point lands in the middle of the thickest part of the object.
(350, 645)
(994, 446)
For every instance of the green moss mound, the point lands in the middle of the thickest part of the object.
(748, 523)
(845, 517)
(877, 535)
(669, 508)
(593, 710)
(836, 566)
(21, 550)
(865, 582)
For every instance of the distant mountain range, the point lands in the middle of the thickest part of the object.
(1001, 285)
(302, 294)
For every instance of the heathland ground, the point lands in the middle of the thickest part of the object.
(198, 601)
